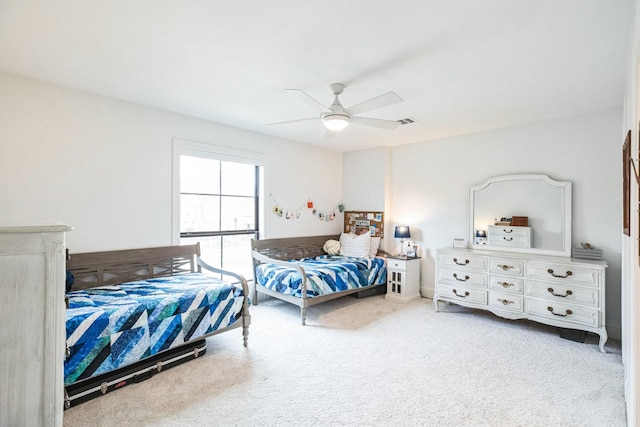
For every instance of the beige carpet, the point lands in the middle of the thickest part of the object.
(374, 362)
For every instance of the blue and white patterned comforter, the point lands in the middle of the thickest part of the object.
(325, 275)
(114, 326)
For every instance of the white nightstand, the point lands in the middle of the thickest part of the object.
(403, 279)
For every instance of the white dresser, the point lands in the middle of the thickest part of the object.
(558, 291)
(32, 279)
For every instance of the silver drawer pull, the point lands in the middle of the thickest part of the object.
(508, 239)
(505, 301)
(507, 231)
(466, 261)
(455, 276)
(567, 274)
(567, 312)
(466, 294)
(566, 294)
(506, 284)
(505, 267)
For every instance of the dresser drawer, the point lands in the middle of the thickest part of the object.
(506, 266)
(507, 284)
(563, 273)
(563, 312)
(463, 293)
(463, 261)
(462, 277)
(561, 292)
(506, 301)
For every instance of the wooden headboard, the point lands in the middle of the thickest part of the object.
(292, 247)
(114, 267)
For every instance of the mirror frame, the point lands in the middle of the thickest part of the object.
(564, 186)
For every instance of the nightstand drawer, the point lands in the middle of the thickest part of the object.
(397, 264)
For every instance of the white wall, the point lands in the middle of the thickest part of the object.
(430, 182)
(365, 187)
(103, 166)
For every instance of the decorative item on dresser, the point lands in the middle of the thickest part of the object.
(509, 236)
(524, 271)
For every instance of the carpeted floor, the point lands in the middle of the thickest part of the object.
(375, 362)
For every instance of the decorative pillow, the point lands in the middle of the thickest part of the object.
(332, 247)
(353, 245)
(375, 244)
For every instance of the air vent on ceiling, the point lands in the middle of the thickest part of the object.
(406, 121)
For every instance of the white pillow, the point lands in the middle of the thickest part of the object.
(355, 245)
(375, 244)
(332, 247)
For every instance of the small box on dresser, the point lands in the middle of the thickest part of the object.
(509, 236)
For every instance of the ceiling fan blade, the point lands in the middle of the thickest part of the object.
(293, 121)
(308, 99)
(378, 123)
(380, 101)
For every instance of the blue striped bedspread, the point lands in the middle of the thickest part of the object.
(114, 326)
(325, 274)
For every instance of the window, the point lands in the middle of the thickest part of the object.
(219, 206)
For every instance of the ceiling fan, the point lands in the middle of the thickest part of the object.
(336, 117)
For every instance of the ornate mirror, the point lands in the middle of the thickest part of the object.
(528, 213)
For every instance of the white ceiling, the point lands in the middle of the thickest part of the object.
(461, 66)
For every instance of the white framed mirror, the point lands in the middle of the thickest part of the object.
(527, 213)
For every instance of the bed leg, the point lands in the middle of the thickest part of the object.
(303, 315)
(245, 335)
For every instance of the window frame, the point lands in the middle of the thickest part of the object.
(214, 152)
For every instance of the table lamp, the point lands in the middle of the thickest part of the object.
(402, 232)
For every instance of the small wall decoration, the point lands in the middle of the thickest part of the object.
(296, 213)
(360, 222)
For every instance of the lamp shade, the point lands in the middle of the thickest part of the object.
(402, 232)
(336, 122)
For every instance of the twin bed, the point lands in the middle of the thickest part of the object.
(132, 312)
(299, 271)
(131, 306)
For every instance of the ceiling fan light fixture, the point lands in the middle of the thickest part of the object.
(336, 122)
